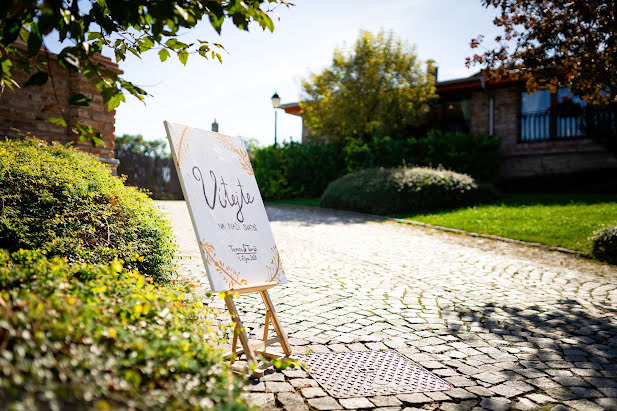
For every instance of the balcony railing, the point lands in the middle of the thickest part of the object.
(590, 123)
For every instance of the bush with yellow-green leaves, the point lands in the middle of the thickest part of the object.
(79, 327)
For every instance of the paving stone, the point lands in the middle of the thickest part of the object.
(460, 394)
(437, 395)
(582, 392)
(571, 381)
(303, 382)
(480, 391)
(275, 376)
(295, 374)
(540, 398)
(583, 405)
(355, 403)
(609, 392)
(324, 403)
(261, 400)
(291, 401)
(607, 403)
(311, 392)
(561, 393)
(491, 377)
(415, 398)
(511, 388)
(524, 404)
(278, 386)
(496, 403)
(444, 372)
(459, 381)
(386, 401)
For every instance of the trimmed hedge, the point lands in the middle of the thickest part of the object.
(402, 190)
(604, 244)
(296, 170)
(68, 203)
(86, 336)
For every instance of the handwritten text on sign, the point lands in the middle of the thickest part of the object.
(228, 214)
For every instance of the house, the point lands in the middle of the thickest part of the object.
(542, 134)
(26, 110)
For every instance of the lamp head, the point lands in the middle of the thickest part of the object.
(276, 100)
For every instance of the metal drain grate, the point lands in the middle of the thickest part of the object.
(369, 373)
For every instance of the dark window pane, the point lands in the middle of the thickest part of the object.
(538, 101)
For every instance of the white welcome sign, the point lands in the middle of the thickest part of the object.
(228, 214)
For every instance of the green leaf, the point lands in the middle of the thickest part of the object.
(35, 40)
(59, 121)
(37, 79)
(79, 100)
(146, 44)
(163, 54)
(115, 101)
(183, 56)
(95, 35)
(6, 64)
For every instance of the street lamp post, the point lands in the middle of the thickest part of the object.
(276, 103)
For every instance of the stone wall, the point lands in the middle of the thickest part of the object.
(537, 158)
(27, 109)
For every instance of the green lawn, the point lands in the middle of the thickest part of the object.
(563, 220)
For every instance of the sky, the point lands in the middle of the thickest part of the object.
(256, 63)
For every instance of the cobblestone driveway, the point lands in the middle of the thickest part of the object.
(509, 326)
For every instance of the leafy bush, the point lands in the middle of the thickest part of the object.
(296, 170)
(604, 244)
(66, 202)
(304, 170)
(473, 154)
(401, 190)
(80, 336)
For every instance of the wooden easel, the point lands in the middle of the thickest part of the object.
(239, 333)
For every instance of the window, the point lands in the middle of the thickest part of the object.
(546, 116)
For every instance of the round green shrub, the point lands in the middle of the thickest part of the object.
(68, 203)
(604, 244)
(79, 336)
(401, 190)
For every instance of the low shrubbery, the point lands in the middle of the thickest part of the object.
(604, 244)
(79, 327)
(402, 189)
(66, 202)
(80, 336)
(304, 170)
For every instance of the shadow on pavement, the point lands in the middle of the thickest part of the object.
(565, 333)
(308, 216)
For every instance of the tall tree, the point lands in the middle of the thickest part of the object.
(555, 43)
(135, 27)
(378, 88)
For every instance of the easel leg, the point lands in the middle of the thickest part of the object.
(267, 324)
(275, 322)
(248, 351)
(234, 344)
